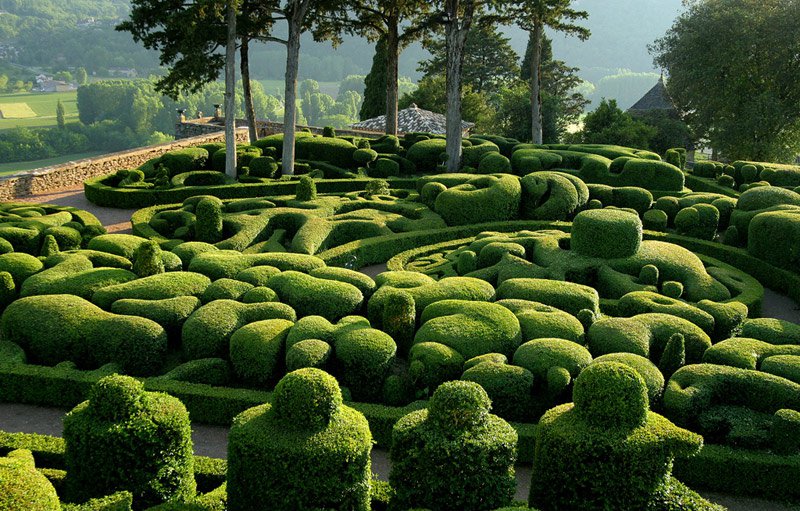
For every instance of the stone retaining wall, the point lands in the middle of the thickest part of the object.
(67, 175)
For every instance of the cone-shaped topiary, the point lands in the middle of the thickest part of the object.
(124, 438)
(306, 189)
(304, 451)
(22, 487)
(454, 455)
(606, 451)
(147, 259)
(208, 223)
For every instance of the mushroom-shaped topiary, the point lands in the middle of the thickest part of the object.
(124, 438)
(304, 451)
(454, 455)
(606, 451)
(23, 487)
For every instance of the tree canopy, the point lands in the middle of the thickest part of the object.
(733, 69)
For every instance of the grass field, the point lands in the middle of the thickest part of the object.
(43, 106)
(11, 168)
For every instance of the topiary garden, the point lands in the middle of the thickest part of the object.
(545, 303)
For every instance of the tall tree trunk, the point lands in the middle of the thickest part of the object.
(456, 36)
(295, 15)
(249, 109)
(536, 84)
(392, 56)
(230, 91)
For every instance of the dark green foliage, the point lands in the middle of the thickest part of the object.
(154, 287)
(433, 363)
(308, 353)
(606, 451)
(696, 389)
(22, 487)
(775, 237)
(365, 156)
(482, 199)
(208, 330)
(785, 431)
(374, 103)
(454, 455)
(605, 233)
(494, 163)
(124, 438)
(655, 220)
(552, 195)
(427, 154)
(674, 356)
(567, 296)
(257, 350)
(8, 291)
(509, 387)
(178, 161)
(70, 328)
(336, 151)
(208, 223)
(365, 356)
(542, 356)
(651, 374)
(208, 371)
(147, 260)
(315, 296)
(384, 167)
(306, 189)
(49, 246)
(264, 166)
(313, 450)
(170, 313)
(226, 289)
(399, 319)
(376, 187)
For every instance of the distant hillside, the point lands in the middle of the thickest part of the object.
(64, 34)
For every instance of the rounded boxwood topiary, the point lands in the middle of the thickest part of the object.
(308, 353)
(509, 387)
(22, 487)
(494, 163)
(384, 167)
(454, 455)
(306, 189)
(313, 450)
(256, 350)
(604, 233)
(124, 438)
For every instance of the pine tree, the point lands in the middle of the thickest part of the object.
(60, 115)
(374, 103)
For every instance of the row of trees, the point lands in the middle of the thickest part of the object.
(189, 36)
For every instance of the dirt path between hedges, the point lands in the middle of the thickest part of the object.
(212, 441)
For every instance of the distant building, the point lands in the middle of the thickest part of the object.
(55, 86)
(41, 78)
(411, 120)
(656, 99)
(123, 72)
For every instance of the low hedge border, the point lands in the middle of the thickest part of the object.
(752, 296)
(65, 388)
(128, 198)
(715, 468)
(704, 184)
(397, 248)
(80, 215)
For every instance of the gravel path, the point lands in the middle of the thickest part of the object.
(114, 220)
